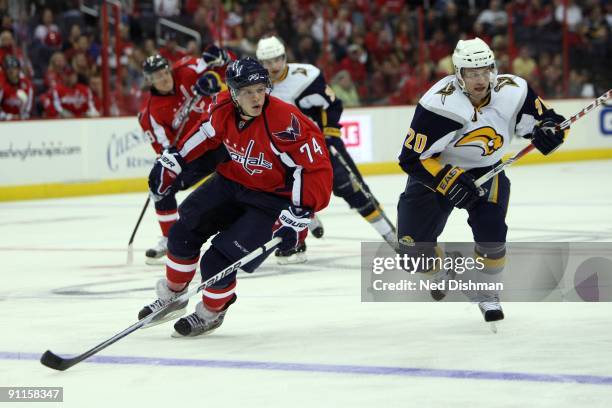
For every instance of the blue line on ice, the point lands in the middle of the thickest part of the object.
(335, 369)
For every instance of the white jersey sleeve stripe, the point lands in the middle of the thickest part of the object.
(206, 131)
(296, 191)
(159, 132)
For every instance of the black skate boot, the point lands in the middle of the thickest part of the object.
(153, 255)
(165, 297)
(201, 322)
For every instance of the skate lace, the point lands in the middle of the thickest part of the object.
(158, 304)
(196, 322)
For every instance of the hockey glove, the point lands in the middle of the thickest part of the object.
(292, 227)
(458, 187)
(547, 137)
(214, 56)
(164, 173)
(207, 84)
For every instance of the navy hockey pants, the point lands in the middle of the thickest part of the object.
(423, 213)
(243, 219)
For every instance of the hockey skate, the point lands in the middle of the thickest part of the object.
(491, 311)
(316, 227)
(201, 322)
(292, 256)
(165, 297)
(153, 255)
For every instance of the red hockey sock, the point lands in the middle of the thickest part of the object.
(166, 219)
(180, 271)
(215, 299)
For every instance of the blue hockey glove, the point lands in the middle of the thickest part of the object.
(215, 56)
(292, 227)
(164, 173)
(207, 85)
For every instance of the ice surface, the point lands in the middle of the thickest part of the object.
(299, 335)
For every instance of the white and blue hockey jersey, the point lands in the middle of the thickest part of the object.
(448, 130)
(304, 86)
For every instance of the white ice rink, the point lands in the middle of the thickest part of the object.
(299, 336)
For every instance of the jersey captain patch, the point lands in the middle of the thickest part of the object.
(446, 91)
(292, 132)
(485, 138)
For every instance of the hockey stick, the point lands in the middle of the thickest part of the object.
(56, 362)
(130, 255)
(562, 126)
(359, 184)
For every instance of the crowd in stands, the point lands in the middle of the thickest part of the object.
(369, 49)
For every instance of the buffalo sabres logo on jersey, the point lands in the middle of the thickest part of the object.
(292, 132)
(485, 138)
(299, 71)
(446, 91)
(503, 81)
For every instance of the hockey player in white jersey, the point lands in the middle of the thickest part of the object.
(303, 85)
(461, 129)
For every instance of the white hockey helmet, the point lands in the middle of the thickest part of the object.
(473, 53)
(269, 47)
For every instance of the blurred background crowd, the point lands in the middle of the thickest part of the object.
(373, 52)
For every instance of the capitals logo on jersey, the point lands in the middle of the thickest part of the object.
(292, 132)
(485, 138)
(247, 161)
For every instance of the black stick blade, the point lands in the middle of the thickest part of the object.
(52, 360)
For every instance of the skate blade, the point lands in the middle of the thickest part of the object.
(493, 327)
(156, 261)
(177, 335)
(170, 316)
(298, 258)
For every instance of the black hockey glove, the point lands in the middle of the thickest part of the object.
(164, 173)
(215, 56)
(207, 85)
(458, 187)
(292, 227)
(546, 137)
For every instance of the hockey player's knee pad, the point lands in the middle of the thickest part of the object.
(212, 262)
(167, 203)
(344, 188)
(233, 249)
(184, 242)
(488, 223)
(419, 256)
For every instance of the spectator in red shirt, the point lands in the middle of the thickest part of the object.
(354, 63)
(71, 99)
(16, 92)
(55, 70)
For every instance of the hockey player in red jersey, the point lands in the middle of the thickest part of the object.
(171, 107)
(16, 92)
(278, 176)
